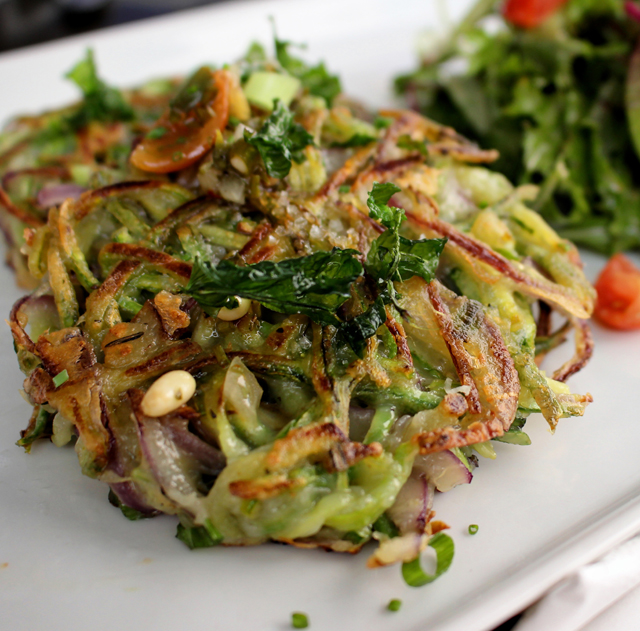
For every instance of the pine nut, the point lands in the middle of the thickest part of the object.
(237, 312)
(168, 393)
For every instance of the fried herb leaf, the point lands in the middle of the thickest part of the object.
(391, 258)
(316, 79)
(280, 141)
(357, 331)
(378, 200)
(315, 285)
(101, 102)
(419, 258)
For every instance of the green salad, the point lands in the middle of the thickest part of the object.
(560, 100)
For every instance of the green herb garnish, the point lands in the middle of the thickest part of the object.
(394, 605)
(60, 378)
(101, 102)
(391, 258)
(280, 141)
(156, 133)
(315, 78)
(473, 529)
(299, 620)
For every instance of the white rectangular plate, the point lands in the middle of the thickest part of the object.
(69, 561)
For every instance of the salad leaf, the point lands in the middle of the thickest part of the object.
(280, 141)
(316, 79)
(315, 285)
(101, 102)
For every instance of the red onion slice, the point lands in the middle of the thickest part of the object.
(632, 10)
(413, 504)
(444, 469)
(55, 194)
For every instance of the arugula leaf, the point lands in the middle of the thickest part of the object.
(280, 141)
(316, 79)
(315, 285)
(101, 102)
(561, 105)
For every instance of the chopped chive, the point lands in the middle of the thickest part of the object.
(473, 529)
(156, 133)
(61, 378)
(299, 620)
(394, 605)
(178, 155)
(413, 573)
(344, 189)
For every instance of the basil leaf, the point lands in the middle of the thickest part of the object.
(101, 102)
(280, 141)
(316, 79)
(315, 285)
(412, 571)
(200, 536)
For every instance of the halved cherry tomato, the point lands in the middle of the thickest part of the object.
(530, 13)
(618, 287)
(188, 129)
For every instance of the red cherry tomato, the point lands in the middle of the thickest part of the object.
(530, 13)
(188, 129)
(618, 287)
